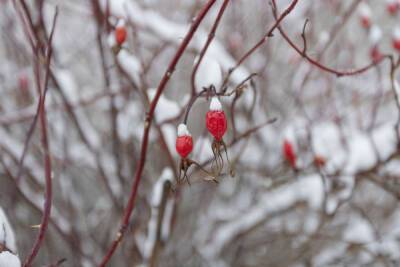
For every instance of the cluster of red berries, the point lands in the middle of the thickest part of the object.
(375, 34)
(290, 156)
(216, 124)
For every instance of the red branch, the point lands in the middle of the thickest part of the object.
(149, 118)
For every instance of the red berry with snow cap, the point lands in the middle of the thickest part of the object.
(375, 54)
(184, 141)
(365, 15)
(396, 39)
(216, 119)
(120, 33)
(392, 6)
(289, 153)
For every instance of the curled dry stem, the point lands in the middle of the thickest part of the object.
(184, 167)
(218, 147)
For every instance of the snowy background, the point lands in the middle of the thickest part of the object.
(337, 207)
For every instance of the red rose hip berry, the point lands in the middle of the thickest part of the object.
(216, 119)
(365, 15)
(392, 7)
(120, 33)
(184, 141)
(289, 153)
(396, 39)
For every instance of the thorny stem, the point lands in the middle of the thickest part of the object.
(46, 148)
(146, 131)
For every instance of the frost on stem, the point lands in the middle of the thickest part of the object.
(183, 130)
(7, 259)
(208, 74)
(215, 104)
(375, 35)
(8, 247)
(159, 223)
(365, 15)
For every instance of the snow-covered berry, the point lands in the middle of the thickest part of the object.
(184, 141)
(375, 54)
(365, 15)
(392, 7)
(396, 39)
(216, 119)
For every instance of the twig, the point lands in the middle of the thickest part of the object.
(46, 148)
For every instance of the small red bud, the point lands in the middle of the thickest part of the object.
(184, 141)
(396, 44)
(120, 33)
(375, 54)
(23, 82)
(392, 7)
(365, 15)
(216, 119)
(396, 39)
(319, 161)
(365, 22)
(289, 153)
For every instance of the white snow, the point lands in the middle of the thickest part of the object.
(172, 32)
(209, 73)
(129, 63)
(8, 259)
(183, 130)
(166, 109)
(308, 189)
(365, 10)
(361, 154)
(120, 23)
(375, 34)
(166, 176)
(359, 231)
(157, 196)
(6, 232)
(215, 104)
(396, 33)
